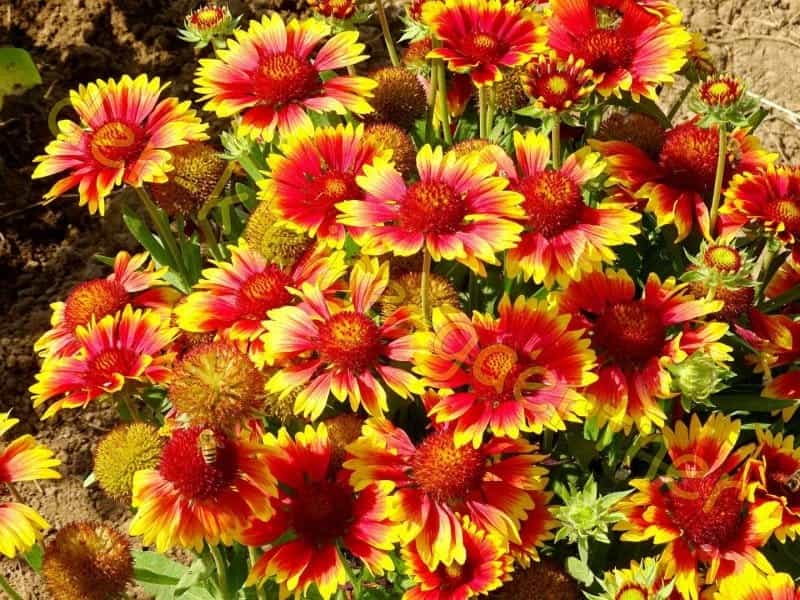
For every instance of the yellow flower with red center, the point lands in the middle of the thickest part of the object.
(318, 507)
(629, 47)
(206, 489)
(313, 174)
(700, 511)
(268, 74)
(123, 138)
(679, 181)
(128, 346)
(636, 339)
(485, 567)
(96, 298)
(564, 237)
(333, 347)
(720, 91)
(516, 373)
(457, 210)
(752, 585)
(22, 460)
(436, 483)
(480, 37)
(556, 85)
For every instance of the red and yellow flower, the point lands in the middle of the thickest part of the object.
(700, 512)
(556, 85)
(458, 210)
(436, 483)
(123, 137)
(268, 74)
(535, 530)
(564, 237)
(785, 279)
(480, 37)
(317, 505)
(629, 47)
(516, 373)
(329, 346)
(485, 567)
(128, 346)
(313, 174)
(752, 585)
(206, 489)
(22, 460)
(635, 341)
(678, 182)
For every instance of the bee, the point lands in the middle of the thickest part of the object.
(207, 443)
(793, 482)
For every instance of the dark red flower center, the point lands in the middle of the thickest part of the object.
(689, 157)
(325, 191)
(454, 575)
(116, 143)
(322, 511)
(786, 210)
(350, 340)
(109, 362)
(283, 78)
(484, 47)
(199, 462)
(264, 291)
(431, 207)
(606, 50)
(554, 90)
(552, 202)
(630, 332)
(724, 259)
(445, 472)
(96, 298)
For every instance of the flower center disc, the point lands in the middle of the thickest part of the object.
(431, 207)
(787, 211)
(321, 511)
(264, 291)
(96, 298)
(553, 202)
(632, 591)
(332, 187)
(483, 47)
(606, 50)
(183, 465)
(207, 18)
(630, 332)
(554, 89)
(116, 143)
(445, 472)
(282, 78)
(350, 340)
(689, 157)
(723, 258)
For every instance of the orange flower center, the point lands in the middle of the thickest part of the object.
(606, 50)
(116, 143)
(554, 90)
(350, 340)
(322, 511)
(431, 207)
(632, 591)
(787, 211)
(723, 258)
(501, 375)
(484, 47)
(263, 292)
(207, 17)
(326, 190)
(96, 298)
(630, 332)
(720, 92)
(445, 472)
(194, 476)
(689, 157)
(553, 202)
(283, 78)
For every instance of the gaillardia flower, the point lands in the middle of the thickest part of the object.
(389, 136)
(700, 512)
(207, 24)
(22, 460)
(331, 346)
(318, 506)
(556, 85)
(436, 483)
(334, 9)
(629, 48)
(205, 489)
(123, 137)
(457, 210)
(720, 91)
(642, 581)
(752, 585)
(268, 75)
(275, 241)
(197, 169)
(313, 174)
(122, 452)
(400, 97)
(635, 340)
(519, 372)
(129, 346)
(480, 37)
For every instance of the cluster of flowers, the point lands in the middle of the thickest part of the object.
(492, 272)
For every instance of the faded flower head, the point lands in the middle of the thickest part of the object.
(121, 453)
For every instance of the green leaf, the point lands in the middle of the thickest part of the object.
(145, 237)
(18, 73)
(196, 593)
(580, 571)
(197, 572)
(749, 402)
(34, 557)
(157, 574)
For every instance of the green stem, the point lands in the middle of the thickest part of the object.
(253, 553)
(164, 231)
(211, 202)
(424, 292)
(126, 399)
(722, 155)
(210, 239)
(442, 98)
(482, 110)
(6, 587)
(491, 110)
(556, 143)
(432, 108)
(222, 571)
(679, 102)
(657, 460)
(250, 167)
(387, 34)
(356, 581)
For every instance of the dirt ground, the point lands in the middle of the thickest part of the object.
(45, 250)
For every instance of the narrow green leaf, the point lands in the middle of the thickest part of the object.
(34, 557)
(749, 402)
(145, 237)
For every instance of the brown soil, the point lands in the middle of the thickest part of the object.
(45, 250)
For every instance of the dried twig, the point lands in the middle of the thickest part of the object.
(757, 36)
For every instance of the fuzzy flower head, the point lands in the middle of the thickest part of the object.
(555, 85)
(208, 23)
(273, 240)
(122, 452)
(271, 75)
(389, 136)
(546, 574)
(405, 290)
(400, 97)
(197, 169)
(123, 137)
(643, 131)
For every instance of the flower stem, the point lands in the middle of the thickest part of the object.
(657, 460)
(6, 587)
(722, 154)
(556, 143)
(432, 108)
(387, 34)
(165, 233)
(253, 553)
(482, 109)
(356, 581)
(424, 292)
(222, 571)
(679, 102)
(250, 167)
(491, 109)
(126, 400)
(442, 98)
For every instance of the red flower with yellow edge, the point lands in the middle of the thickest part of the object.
(123, 138)
(436, 482)
(785, 279)
(205, 490)
(485, 567)
(700, 511)
(129, 346)
(535, 530)
(268, 74)
(564, 237)
(457, 210)
(630, 48)
(480, 37)
(635, 340)
(769, 198)
(235, 296)
(22, 460)
(314, 173)
(96, 298)
(752, 585)
(333, 347)
(515, 373)
(556, 85)
(324, 515)
(678, 182)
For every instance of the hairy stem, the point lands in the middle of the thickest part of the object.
(722, 154)
(387, 34)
